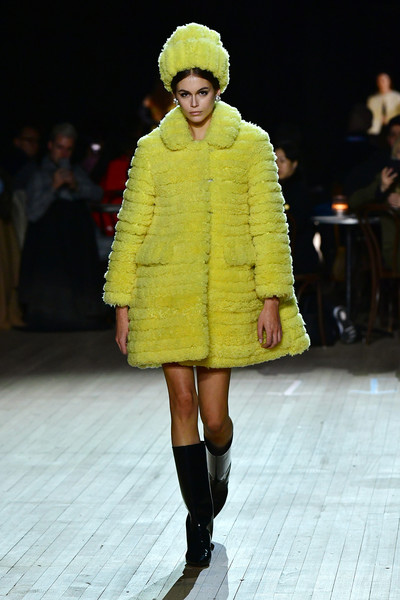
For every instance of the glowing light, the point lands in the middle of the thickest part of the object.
(339, 207)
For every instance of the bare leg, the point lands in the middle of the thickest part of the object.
(183, 404)
(213, 386)
(191, 463)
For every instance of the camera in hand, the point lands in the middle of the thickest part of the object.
(65, 192)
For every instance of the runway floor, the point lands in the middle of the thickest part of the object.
(90, 506)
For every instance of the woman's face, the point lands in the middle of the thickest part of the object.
(286, 167)
(196, 97)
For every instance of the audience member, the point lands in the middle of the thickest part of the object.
(384, 105)
(297, 198)
(384, 188)
(61, 278)
(299, 206)
(356, 146)
(363, 174)
(155, 106)
(20, 161)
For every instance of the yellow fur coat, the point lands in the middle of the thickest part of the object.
(201, 240)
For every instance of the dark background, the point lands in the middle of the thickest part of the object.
(299, 63)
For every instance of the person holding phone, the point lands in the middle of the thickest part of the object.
(61, 279)
(385, 188)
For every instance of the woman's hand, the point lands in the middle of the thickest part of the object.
(388, 175)
(122, 328)
(394, 200)
(270, 322)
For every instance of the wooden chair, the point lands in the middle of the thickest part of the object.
(372, 218)
(307, 280)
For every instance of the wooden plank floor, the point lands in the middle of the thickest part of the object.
(89, 502)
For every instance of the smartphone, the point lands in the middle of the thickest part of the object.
(394, 163)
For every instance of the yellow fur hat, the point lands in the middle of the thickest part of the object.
(192, 46)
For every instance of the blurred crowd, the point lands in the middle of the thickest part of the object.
(60, 191)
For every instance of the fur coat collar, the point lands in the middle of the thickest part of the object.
(221, 133)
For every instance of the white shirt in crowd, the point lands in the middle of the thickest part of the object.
(383, 107)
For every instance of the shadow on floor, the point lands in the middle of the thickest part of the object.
(185, 580)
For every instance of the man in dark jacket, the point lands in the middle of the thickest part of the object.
(61, 278)
(57, 179)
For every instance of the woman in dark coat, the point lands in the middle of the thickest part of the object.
(298, 203)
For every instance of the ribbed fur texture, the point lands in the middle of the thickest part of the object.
(200, 242)
(191, 46)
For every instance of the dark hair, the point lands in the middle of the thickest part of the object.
(195, 71)
(19, 128)
(360, 118)
(290, 149)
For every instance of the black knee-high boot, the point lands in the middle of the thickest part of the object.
(191, 466)
(219, 467)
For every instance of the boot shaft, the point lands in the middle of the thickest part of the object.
(191, 467)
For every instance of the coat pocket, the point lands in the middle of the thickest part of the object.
(237, 253)
(154, 252)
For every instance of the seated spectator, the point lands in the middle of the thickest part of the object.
(385, 188)
(384, 105)
(61, 276)
(355, 148)
(306, 261)
(155, 106)
(20, 163)
(297, 198)
(364, 173)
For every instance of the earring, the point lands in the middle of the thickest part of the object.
(176, 101)
(217, 98)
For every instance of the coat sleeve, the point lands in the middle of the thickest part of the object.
(268, 225)
(134, 219)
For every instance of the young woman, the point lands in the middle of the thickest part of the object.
(298, 202)
(200, 270)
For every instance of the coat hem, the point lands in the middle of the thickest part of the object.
(219, 363)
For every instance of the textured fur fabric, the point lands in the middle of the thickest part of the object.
(200, 242)
(191, 46)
